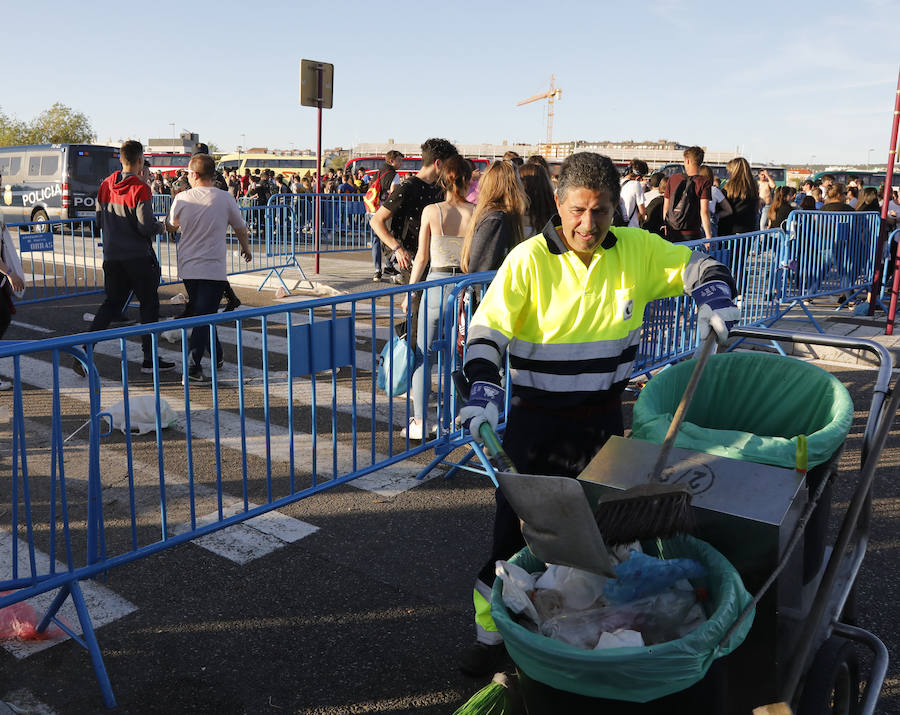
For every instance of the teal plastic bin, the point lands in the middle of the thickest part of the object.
(752, 407)
(633, 674)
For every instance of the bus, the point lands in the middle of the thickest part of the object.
(53, 181)
(167, 163)
(279, 163)
(875, 179)
(778, 173)
(410, 165)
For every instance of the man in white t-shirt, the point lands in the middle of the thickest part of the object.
(631, 197)
(203, 214)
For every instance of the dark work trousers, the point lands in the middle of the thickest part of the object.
(543, 441)
(204, 297)
(6, 310)
(121, 277)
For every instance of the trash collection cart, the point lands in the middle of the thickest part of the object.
(798, 650)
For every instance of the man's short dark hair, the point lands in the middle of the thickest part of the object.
(828, 177)
(695, 154)
(656, 179)
(203, 165)
(393, 155)
(638, 167)
(434, 149)
(587, 170)
(131, 151)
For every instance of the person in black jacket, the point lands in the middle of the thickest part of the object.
(496, 226)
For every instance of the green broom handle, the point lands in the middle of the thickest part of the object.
(492, 442)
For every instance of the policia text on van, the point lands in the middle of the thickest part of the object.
(53, 181)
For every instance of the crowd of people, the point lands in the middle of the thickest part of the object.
(262, 183)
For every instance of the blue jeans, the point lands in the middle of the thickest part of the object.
(204, 297)
(376, 246)
(428, 330)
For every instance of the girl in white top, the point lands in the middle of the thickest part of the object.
(444, 225)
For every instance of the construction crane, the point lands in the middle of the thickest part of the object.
(554, 94)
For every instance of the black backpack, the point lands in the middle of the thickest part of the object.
(685, 204)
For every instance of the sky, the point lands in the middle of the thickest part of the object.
(790, 83)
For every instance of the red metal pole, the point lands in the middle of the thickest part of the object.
(882, 235)
(319, 167)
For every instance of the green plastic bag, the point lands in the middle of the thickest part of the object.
(633, 674)
(749, 406)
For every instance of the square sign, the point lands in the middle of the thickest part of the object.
(309, 83)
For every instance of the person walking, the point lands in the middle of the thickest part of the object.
(127, 226)
(203, 214)
(686, 201)
(566, 306)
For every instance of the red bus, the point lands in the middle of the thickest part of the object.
(167, 163)
(410, 165)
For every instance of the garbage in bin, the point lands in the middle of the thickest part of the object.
(650, 599)
(636, 674)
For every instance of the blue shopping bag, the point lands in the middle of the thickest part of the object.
(396, 365)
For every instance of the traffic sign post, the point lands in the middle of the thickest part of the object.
(316, 90)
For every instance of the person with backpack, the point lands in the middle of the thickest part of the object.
(403, 207)
(653, 200)
(686, 200)
(378, 191)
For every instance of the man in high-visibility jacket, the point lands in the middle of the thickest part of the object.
(567, 305)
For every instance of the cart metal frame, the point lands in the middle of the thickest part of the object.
(845, 556)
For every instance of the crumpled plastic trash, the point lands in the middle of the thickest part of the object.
(280, 292)
(517, 587)
(18, 621)
(644, 575)
(660, 618)
(579, 589)
(178, 299)
(621, 638)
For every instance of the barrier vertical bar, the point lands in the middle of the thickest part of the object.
(879, 253)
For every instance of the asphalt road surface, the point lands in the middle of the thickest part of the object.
(366, 612)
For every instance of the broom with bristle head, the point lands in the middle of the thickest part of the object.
(654, 510)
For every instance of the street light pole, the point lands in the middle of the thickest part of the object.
(868, 154)
(172, 124)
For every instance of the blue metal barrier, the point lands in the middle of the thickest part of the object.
(65, 258)
(161, 204)
(294, 411)
(827, 253)
(344, 225)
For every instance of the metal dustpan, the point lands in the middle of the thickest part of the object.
(557, 521)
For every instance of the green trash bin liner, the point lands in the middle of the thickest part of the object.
(633, 674)
(749, 406)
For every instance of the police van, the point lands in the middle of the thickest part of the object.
(53, 181)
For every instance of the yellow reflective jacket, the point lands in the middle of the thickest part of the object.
(572, 331)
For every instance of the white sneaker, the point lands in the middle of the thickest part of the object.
(415, 429)
(5, 385)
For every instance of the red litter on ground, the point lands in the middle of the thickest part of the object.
(19, 621)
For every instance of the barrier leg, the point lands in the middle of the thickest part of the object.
(90, 641)
(54, 608)
(461, 463)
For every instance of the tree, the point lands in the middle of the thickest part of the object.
(12, 131)
(59, 125)
(56, 125)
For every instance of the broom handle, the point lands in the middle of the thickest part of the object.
(666, 448)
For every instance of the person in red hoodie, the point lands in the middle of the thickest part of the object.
(127, 225)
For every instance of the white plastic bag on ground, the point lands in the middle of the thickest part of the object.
(143, 414)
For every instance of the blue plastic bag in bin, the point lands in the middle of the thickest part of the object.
(405, 361)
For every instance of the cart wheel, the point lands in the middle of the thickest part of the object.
(832, 683)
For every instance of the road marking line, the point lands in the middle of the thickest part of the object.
(29, 326)
(103, 605)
